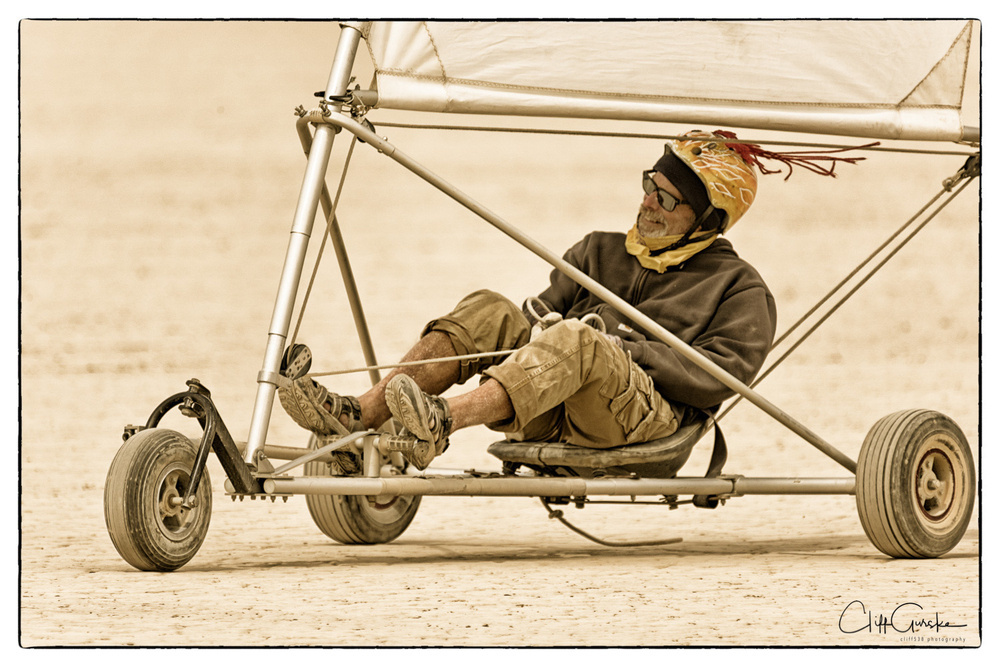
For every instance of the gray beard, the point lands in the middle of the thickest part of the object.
(651, 215)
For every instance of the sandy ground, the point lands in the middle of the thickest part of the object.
(159, 173)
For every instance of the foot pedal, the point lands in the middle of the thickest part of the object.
(295, 362)
(418, 452)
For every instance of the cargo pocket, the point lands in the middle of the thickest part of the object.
(633, 408)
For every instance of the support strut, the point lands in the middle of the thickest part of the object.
(197, 403)
(302, 224)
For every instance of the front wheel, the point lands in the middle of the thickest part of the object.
(148, 478)
(916, 484)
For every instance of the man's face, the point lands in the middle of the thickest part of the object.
(654, 221)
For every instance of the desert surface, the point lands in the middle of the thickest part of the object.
(159, 171)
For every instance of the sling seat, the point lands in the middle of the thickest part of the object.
(660, 458)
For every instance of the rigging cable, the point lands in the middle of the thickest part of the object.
(558, 514)
(661, 137)
(854, 289)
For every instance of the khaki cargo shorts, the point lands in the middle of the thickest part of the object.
(571, 384)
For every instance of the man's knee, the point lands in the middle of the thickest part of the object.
(572, 331)
(492, 320)
(483, 321)
(487, 303)
(479, 311)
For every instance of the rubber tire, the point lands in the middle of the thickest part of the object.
(148, 536)
(901, 519)
(358, 519)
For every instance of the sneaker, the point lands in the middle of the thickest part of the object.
(314, 408)
(424, 416)
(310, 404)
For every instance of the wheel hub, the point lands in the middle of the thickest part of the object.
(173, 515)
(935, 484)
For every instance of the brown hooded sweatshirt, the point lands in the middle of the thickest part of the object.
(715, 301)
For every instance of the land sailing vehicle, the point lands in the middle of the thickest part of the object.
(914, 481)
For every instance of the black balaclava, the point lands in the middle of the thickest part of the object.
(691, 188)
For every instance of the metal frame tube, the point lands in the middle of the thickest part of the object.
(346, 272)
(792, 486)
(612, 299)
(554, 486)
(305, 215)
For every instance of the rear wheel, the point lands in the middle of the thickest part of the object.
(916, 484)
(357, 519)
(147, 479)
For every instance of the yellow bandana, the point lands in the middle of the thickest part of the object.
(640, 246)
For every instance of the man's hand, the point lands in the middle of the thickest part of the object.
(614, 339)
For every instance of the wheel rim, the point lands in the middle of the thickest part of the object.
(174, 521)
(381, 503)
(381, 509)
(938, 484)
(935, 484)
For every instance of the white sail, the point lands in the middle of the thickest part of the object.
(882, 79)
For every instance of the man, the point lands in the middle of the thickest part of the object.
(571, 382)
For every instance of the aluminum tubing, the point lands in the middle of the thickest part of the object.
(476, 486)
(340, 249)
(284, 452)
(793, 486)
(343, 60)
(302, 223)
(305, 213)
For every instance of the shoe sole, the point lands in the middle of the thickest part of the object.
(305, 411)
(406, 403)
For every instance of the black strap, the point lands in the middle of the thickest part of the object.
(719, 455)
(684, 240)
(353, 407)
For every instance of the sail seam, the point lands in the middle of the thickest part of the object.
(430, 37)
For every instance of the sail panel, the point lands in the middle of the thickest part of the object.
(882, 79)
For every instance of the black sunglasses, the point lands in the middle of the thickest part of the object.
(667, 201)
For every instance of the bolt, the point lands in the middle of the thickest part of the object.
(195, 385)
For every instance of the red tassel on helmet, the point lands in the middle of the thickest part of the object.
(751, 154)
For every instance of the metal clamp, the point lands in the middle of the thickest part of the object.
(277, 379)
(971, 169)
